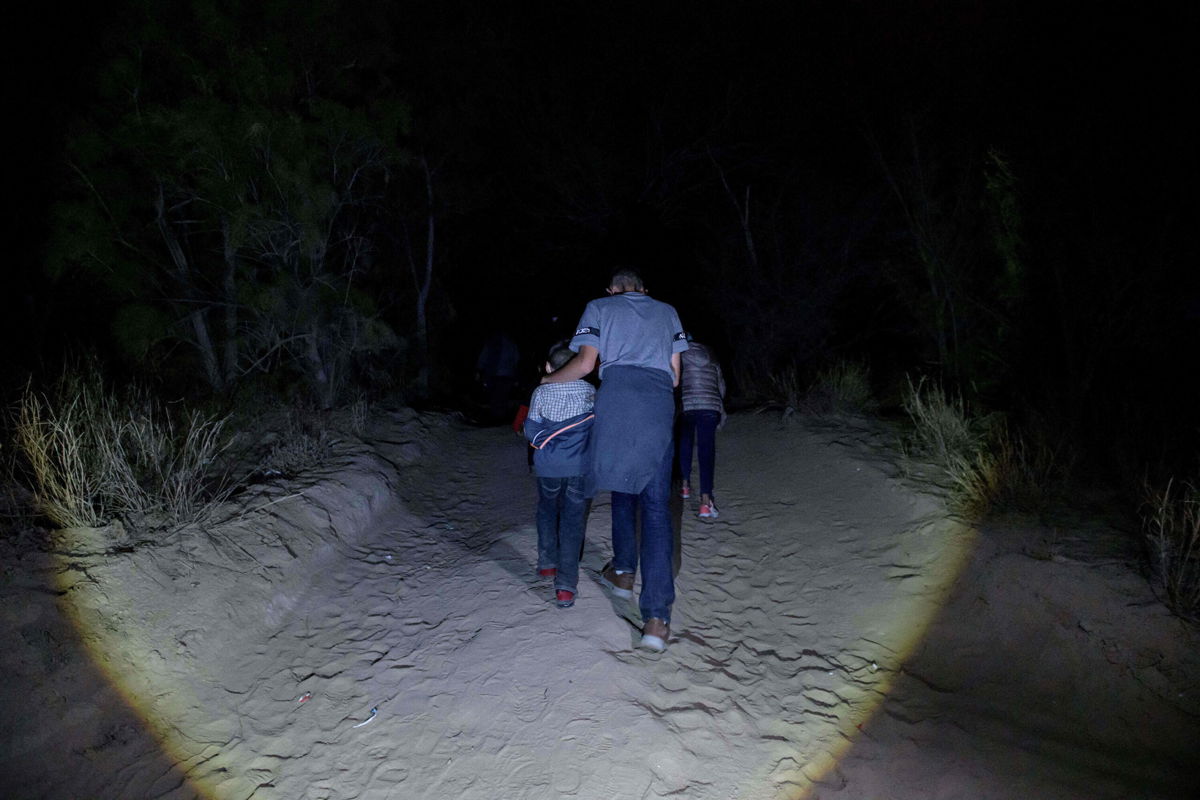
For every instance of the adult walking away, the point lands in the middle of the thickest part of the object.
(637, 342)
(702, 396)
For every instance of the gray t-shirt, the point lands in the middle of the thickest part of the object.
(632, 330)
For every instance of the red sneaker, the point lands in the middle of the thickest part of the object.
(685, 491)
(564, 599)
(549, 572)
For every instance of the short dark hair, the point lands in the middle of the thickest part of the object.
(627, 279)
(560, 353)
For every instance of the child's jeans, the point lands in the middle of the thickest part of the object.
(560, 518)
(700, 426)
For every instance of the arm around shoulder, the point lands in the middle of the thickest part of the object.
(577, 368)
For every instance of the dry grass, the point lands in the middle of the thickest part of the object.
(843, 388)
(90, 456)
(1172, 529)
(987, 466)
(1009, 472)
(173, 461)
(785, 389)
(355, 417)
(306, 443)
(360, 416)
(62, 461)
(943, 432)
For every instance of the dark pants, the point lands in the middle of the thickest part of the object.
(700, 426)
(633, 450)
(657, 551)
(560, 519)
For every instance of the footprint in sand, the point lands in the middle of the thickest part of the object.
(528, 703)
(389, 772)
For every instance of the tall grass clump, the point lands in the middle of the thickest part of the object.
(942, 430)
(62, 460)
(1171, 527)
(842, 388)
(305, 444)
(90, 456)
(1009, 472)
(785, 388)
(987, 465)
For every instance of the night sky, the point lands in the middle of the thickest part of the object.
(570, 137)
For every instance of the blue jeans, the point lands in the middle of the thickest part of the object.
(700, 426)
(560, 519)
(658, 540)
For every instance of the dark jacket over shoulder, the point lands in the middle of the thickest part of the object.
(561, 449)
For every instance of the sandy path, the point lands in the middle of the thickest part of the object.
(486, 690)
(796, 612)
(793, 608)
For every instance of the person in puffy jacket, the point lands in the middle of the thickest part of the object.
(558, 427)
(702, 394)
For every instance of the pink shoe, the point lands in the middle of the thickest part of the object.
(709, 511)
(685, 491)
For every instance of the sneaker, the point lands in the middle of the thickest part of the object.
(709, 511)
(655, 634)
(548, 572)
(685, 491)
(564, 599)
(619, 583)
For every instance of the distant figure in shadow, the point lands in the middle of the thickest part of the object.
(496, 372)
(559, 429)
(702, 396)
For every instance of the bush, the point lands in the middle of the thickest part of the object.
(1172, 530)
(90, 456)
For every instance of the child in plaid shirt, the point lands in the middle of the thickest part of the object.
(558, 427)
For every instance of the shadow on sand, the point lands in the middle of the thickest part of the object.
(69, 732)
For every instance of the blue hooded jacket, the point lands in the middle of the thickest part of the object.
(562, 449)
